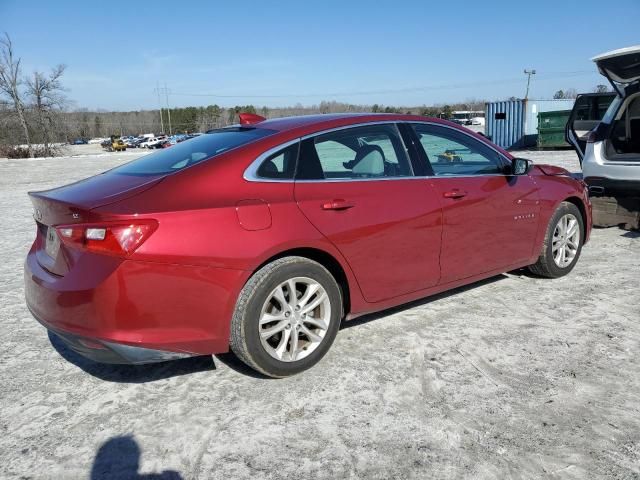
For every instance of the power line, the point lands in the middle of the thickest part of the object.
(548, 76)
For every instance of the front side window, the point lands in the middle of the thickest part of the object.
(454, 153)
(368, 152)
(190, 152)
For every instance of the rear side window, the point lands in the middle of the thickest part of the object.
(454, 153)
(281, 165)
(368, 152)
(190, 152)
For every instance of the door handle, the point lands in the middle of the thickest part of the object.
(454, 194)
(338, 204)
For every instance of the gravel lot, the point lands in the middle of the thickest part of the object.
(513, 377)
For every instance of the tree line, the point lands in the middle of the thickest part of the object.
(86, 124)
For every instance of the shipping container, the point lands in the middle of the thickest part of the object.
(513, 124)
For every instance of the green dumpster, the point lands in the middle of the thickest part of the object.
(551, 128)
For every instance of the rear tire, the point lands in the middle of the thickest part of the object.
(562, 243)
(286, 317)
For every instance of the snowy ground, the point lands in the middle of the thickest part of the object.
(513, 377)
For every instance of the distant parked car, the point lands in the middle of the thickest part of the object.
(96, 140)
(118, 146)
(133, 142)
(80, 141)
(152, 142)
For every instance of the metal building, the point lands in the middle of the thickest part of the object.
(514, 123)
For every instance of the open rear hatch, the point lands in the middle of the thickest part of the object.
(621, 67)
(73, 204)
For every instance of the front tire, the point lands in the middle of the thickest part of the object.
(562, 243)
(286, 317)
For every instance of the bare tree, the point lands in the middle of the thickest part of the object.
(569, 93)
(10, 81)
(45, 92)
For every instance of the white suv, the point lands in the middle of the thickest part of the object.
(152, 142)
(605, 128)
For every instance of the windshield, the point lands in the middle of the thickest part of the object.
(190, 152)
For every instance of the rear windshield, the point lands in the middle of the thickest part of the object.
(190, 152)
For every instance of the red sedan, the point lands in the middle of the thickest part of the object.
(264, 237)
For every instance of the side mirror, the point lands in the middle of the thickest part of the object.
(520, 166)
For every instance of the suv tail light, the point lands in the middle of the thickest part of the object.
(117, 239)
(598, 134)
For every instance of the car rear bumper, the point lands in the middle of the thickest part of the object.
(102, 351)
(135, 312)
(606, 187)
(619, 177)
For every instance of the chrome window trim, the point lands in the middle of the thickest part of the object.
(346, 127)
(250, 174)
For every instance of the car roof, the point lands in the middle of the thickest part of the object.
(337, 119)
(291, 127)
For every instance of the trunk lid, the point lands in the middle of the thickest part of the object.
(621, 67)
(73, 204)
(98, 191)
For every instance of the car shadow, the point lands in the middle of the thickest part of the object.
(119, 457)
(237, 365)
(423, 301)
(631, 234)
(133, 373)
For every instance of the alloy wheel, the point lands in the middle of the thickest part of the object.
(294, 319)
(566, 240)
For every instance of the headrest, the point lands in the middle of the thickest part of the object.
(369, 161)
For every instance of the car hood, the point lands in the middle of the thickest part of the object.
(552, 170)
(100, 190)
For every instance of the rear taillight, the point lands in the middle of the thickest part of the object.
(118, 239)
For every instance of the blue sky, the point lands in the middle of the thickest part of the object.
(280, 53)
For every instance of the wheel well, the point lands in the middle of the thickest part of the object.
(327, 261)
(578, 203)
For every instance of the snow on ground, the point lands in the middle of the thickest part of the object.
(562, 158)
(512, 377)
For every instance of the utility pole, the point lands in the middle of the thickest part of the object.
(160, 106)
(528, 73)
(166, 96)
